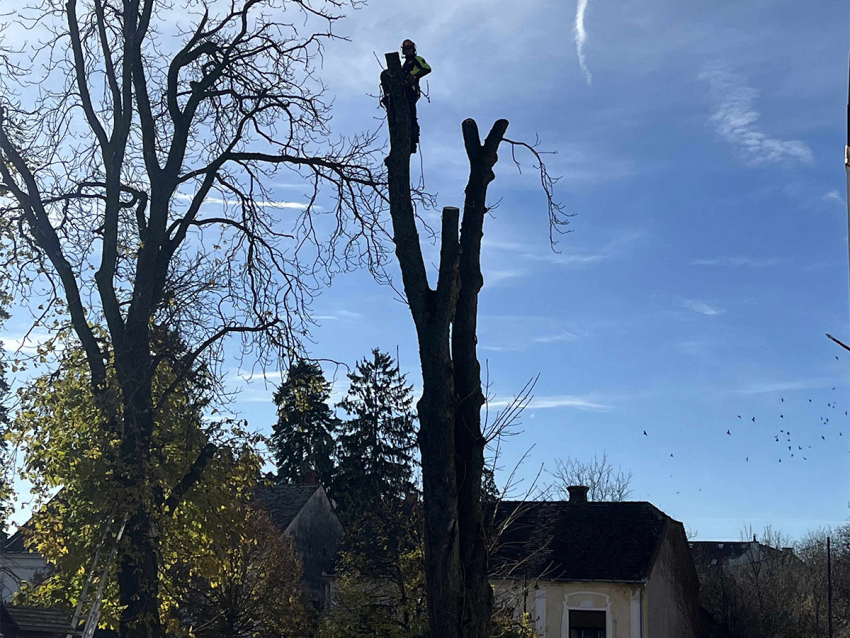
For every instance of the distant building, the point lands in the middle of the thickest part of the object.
(595, 570)
(33, 622)
(18, 565)
(708, 554)
(306, 514)
(729, 573)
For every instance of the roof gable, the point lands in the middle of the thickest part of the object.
(558, 540)
(284, 502)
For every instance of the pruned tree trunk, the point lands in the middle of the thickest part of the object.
(451, 441)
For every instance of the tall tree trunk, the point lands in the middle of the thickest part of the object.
(138, 571)
(451, 442)
(469, 439)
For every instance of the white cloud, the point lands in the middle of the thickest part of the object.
(558, 338)
(233, 202)
(764, 387)
(701, 307)
(495, 277)
(614, 248)
(339, 315)
(735, 118)
(735, 261)
(581, 39)
(834, 196)
(26, 344)
(559, 401)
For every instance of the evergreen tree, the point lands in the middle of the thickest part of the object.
(377, 444)
(304, 432)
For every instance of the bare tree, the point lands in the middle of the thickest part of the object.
(137, 143)
(605, 482)
(451, 440)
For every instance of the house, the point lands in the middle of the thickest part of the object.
(708, 554)
(18, 565)
(306, 514)
(583, 569)
(33, 622)
(302, 512)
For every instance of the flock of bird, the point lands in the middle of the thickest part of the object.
(797, 447)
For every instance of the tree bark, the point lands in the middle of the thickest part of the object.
(138, 572)
(450, 441)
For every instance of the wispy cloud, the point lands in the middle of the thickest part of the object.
(735, 118)
(735, 261)
(272, 376)
(558, 338)
(765, 387)
(559, 401)
(25, 344)
(834, 196)
(233, 202)
(339, 315)
(701, 307)
(496, 276)
(614, 248)
(581, 39)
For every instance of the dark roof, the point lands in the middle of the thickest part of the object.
(558, 540)
(15, 543)
(38, 620)
(284, 501)
(708, 553)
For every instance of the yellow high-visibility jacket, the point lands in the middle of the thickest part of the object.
(416, 67)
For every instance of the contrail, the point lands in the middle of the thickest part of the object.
(581, 38)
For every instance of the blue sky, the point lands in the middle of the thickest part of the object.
(700, 148)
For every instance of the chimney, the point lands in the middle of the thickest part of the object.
(578, 494)
(308, 475)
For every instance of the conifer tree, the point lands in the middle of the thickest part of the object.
(304, 432)
(376, 446)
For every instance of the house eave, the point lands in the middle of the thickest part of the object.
(622, 581)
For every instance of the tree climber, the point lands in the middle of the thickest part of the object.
(415, 68)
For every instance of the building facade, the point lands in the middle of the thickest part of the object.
(595, 570)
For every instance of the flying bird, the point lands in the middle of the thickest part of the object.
(783, 399)
(671, 455)
(781, 416)
(728, 432)
(754, 419)
(644, 433)
(739, 416)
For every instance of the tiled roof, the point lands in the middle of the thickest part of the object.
(576, 541)
(38, 619)
(284, 502)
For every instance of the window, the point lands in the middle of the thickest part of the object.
(587, 624)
